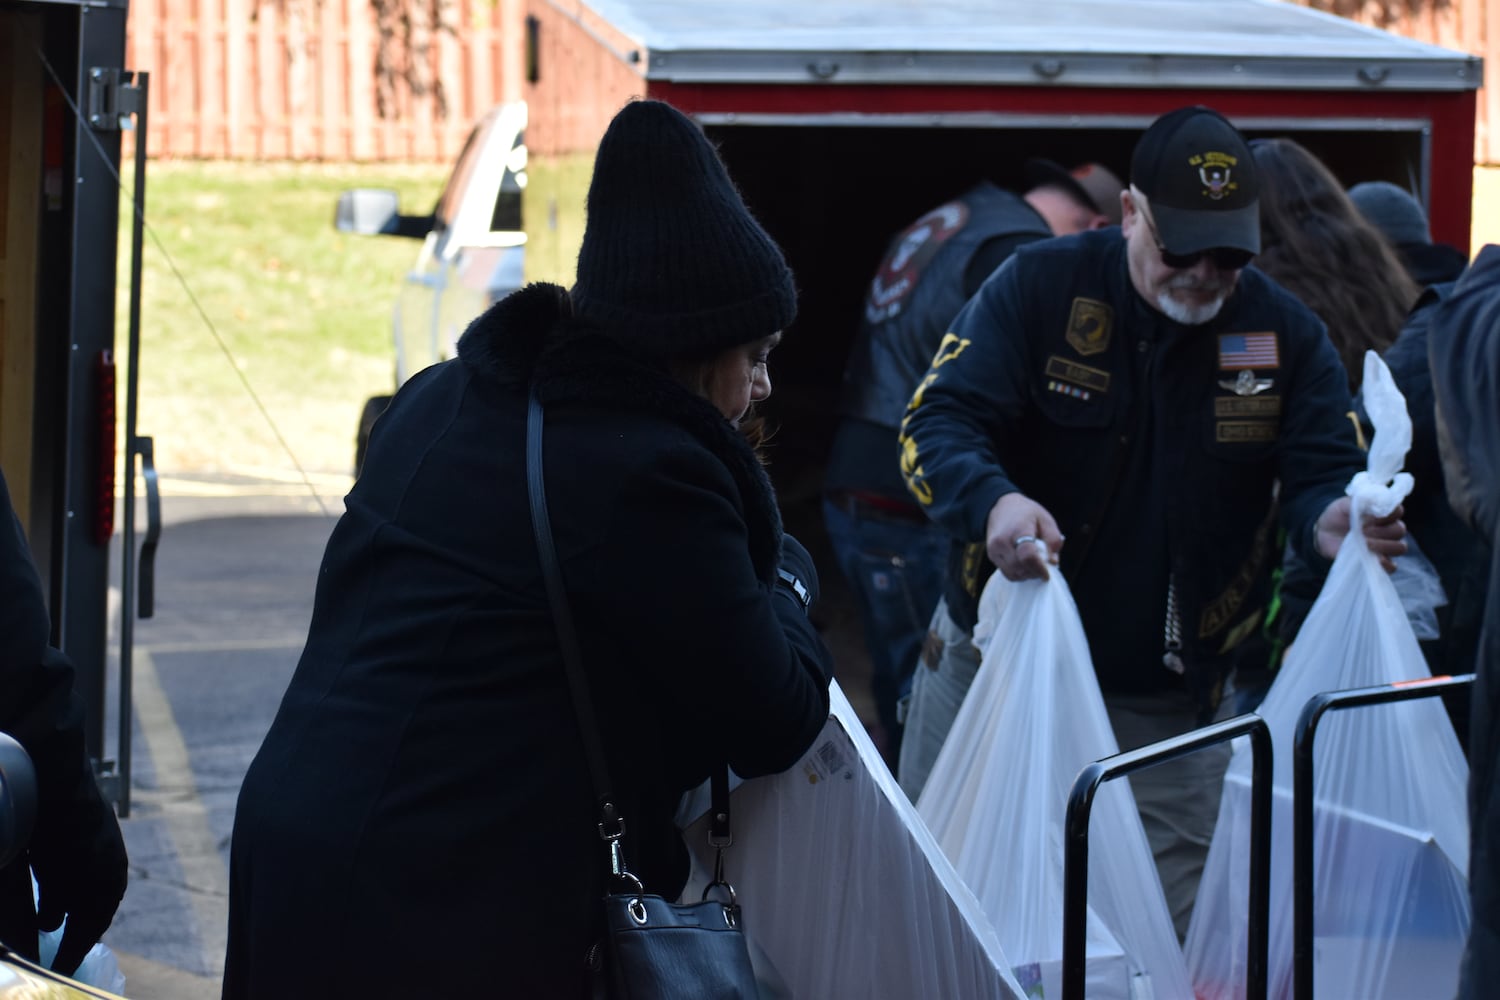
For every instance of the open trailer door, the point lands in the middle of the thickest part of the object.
(64, 100)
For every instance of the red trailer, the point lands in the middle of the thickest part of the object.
(843, 120)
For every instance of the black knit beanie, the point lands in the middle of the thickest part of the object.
(672, 261)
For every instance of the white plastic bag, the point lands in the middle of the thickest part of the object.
(997, 798)
(99, 967)
(1419, 589)
(845, 893)
(1391, 836)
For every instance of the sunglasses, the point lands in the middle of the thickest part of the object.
(1223, 258)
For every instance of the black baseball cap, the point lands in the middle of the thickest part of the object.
(1196, 171)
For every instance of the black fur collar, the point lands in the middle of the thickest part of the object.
(533, 336)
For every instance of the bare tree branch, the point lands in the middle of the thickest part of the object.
(405, 51)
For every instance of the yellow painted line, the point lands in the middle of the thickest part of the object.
(270, 473)
(203, 870)
(254, 482)
(221, 646)
(204, 488)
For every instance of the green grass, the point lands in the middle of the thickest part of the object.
(303, 310)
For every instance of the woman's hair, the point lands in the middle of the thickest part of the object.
(1317, 245)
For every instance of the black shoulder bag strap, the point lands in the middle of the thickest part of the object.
(611, 823)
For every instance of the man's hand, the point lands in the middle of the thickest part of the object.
(1021, 538)
(1384, 535)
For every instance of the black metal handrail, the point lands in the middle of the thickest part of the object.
(1076, 857)
(1302, 801)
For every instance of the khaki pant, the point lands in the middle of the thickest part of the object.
(1178, 801)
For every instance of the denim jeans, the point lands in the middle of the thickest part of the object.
(895, 571)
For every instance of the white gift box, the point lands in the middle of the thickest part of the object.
(1389, 922)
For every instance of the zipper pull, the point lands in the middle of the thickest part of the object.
(1172, 633)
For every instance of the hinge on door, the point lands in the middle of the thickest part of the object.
(113, 98)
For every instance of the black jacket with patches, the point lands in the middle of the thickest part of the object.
(924, 279)
(1464, 351)
(1140, 437)
(420, 819)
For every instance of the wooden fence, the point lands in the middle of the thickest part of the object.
(296, 79)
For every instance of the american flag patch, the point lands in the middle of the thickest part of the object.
(1247, 350)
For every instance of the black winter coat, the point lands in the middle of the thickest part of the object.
(419, 820)
(1464, 350)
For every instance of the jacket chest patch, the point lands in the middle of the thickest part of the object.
(1240, 351)
(1064, 373)
(1230, 407)
(1246, 384)
(1068, 390)
(1089, 325)
(1245, 431)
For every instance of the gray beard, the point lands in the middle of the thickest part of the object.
(1189, 315)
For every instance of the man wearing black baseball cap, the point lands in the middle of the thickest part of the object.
(892, 556)
(1142, 392)
(1194, 190)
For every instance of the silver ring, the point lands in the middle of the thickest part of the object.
(1022, 540)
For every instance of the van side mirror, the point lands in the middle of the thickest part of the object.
(376, 212)
(17, 799)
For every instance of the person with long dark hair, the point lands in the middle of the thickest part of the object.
(1317, 245)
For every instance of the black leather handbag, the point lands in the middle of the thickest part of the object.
(653, 949)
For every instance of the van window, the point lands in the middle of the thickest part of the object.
(507, 215)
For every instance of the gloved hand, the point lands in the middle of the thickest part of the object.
(796, 560)
(86, 892)
(77, 853)
(82, 880)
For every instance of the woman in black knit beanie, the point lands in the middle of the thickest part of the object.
(420, 819)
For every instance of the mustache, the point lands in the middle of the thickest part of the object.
(1197, 283)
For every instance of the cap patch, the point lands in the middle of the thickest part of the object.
(1216, 171)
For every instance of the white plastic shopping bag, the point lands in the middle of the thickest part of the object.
(845, 894)
(1391, 838)
(99, 967)
(997, 798)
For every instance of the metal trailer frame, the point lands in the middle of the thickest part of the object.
(1065, 63)
(1313, 712)
(74, 466)
(1076, 857)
